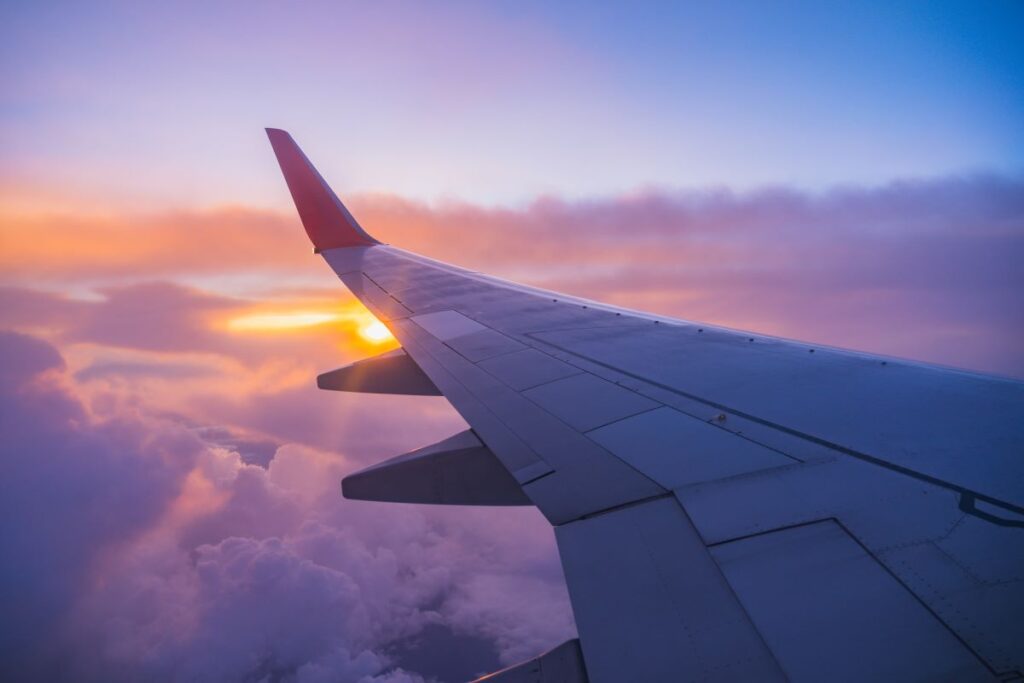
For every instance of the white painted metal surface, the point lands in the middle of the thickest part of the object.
(651, 603)
(825, 605)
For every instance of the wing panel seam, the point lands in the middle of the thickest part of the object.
(921, 476)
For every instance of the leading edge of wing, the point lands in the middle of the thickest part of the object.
(328, 223)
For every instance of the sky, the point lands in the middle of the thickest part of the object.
(843, 173)
(496, 102)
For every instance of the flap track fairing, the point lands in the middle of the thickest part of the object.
(460, 470)
(394, 372)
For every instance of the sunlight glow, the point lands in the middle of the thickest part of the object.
(281, 321)
(375, 332)
(354, 321)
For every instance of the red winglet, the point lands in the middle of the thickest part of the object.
(328, 223)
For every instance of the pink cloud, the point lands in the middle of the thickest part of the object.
(925, 269)
(72, 487)
(157, 554)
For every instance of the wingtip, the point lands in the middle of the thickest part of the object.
(328, 223)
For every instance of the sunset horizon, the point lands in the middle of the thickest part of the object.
(849, 177)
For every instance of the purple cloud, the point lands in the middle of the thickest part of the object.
(71, 487)
(924, 269)
(141, 548)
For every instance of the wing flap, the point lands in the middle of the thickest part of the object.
(877, 630)
(651, 604)
(563, 664)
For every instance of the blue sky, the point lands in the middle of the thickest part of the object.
(496, 103)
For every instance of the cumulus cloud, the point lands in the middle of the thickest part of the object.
(137, 547)
(71, 486)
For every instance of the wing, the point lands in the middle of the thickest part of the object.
(728, 506)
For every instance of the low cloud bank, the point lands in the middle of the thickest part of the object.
(135, 549)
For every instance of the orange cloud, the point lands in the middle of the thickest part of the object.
(69, 246)
(39, 246)
(850, 267)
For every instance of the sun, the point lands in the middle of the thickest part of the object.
(375, 332)
(351, 321)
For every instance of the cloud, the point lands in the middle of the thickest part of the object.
(166, 347)
(923, 269)
(170, 318)
(926, 269)
(158, 553)
(72, 486)
(286, 579)
(70, 246)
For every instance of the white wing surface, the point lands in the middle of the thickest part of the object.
(728, 506)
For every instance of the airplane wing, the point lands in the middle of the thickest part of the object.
(728, 506)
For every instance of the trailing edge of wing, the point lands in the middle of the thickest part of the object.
(328, 223)
(563, 664)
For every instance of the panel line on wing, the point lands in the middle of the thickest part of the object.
(514, 452)
(886, 612)
(797, 433)
(458, 332)
(533, 336)
(563, 449)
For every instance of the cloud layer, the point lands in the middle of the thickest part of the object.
(170, 507)
(925, 269)
(136, 549)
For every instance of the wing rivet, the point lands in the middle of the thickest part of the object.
(720, 417)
